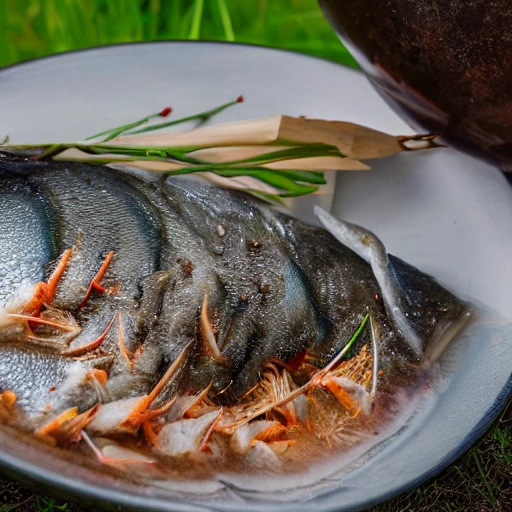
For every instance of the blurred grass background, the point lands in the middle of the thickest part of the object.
(481, 480)
(34, 28)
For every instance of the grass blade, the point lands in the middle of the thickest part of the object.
(195, 28)
(225, 17)
(202, 117)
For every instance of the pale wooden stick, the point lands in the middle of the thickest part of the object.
(352, 140)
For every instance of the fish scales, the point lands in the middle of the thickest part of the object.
(257, 275)
(341, 284)
(188, 273)
(26, 239)
(215, 308)
(98, 212)
(34, 377)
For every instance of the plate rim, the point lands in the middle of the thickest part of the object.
(40, 476)
(177, 41)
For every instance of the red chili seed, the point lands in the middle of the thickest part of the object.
(165, 112)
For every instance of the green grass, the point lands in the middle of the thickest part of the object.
(33, 28)
(480, 481)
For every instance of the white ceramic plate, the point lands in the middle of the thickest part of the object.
(442, 211)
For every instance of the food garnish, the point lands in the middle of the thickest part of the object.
(273, 158)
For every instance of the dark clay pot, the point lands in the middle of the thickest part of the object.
(444, 65)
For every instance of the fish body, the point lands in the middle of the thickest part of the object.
(25, 224)
(172, 304)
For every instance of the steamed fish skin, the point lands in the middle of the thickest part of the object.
(25, 222)
(174, 300)
(266, 310)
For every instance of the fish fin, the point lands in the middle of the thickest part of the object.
(92, 345)
(188, 436)
(67, 427)
(434, 313)
(207, 334)
(366, 245)
(116, 455)
(95, 283)
(45, 292)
